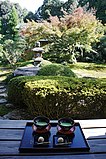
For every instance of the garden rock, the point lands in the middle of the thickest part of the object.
(3, 94)
(26, 71)
(3, 101)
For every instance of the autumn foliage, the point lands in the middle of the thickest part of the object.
(78, 30)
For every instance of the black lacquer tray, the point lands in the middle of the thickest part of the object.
(79, 143)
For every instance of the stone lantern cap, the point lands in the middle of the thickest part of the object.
(38, 59)
(38, 49)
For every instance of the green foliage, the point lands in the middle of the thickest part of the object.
(9, 20)
(15, 88)
(30, 16)
(56, 70)
(6, 8)
(13, 22)
(57, 97)
(8, 78)
(70, 37)
(34, 31)
(82, 31)
(88, 66)
(101, 49)
(45, 63)
(50, 7)
(23, 63)
(1, 53)
(98, 5)
(70, 5)
(57, 8)
(14, 50)
(12, 43)
(4, 110)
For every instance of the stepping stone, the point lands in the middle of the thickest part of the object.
(1, 87)
(3, 95)
(3, 101)
(14, 115)
(2, 90)
(1, 117)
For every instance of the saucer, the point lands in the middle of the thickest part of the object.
(66, 132)
(41, 131)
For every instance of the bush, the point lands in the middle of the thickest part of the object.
(9, 77)
(57, 97)
(56, 70)
(15, 88)
(45, 62)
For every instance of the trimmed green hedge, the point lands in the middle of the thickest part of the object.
(61, 96)
(15, 89)
(56, 70)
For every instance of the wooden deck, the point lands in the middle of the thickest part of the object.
(11, 132)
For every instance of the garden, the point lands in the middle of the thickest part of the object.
(71, 80)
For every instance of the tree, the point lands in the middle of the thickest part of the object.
(5, 8)
(12, 23)
(50, 8)
(1, 50)
(99, 5)
(81, 32)
(21, 12)
(70, 36)
(101, 48)
(70, 5)
(10, 15)
(30, 16)
(12, 44)
(13, 50)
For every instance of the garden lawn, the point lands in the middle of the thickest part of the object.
(89, 70)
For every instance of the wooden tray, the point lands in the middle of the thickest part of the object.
(79, 143)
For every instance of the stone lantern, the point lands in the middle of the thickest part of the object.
(38, 51)
(32, 71)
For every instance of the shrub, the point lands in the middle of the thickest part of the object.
(60, 96)
(15, 88)
(56, 70)
(45, 62)
(9, 77)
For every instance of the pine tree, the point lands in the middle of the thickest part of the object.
(12, 23)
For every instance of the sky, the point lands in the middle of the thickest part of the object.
(30, 5)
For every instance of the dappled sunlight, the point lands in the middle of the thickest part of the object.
(95, 133)
(90, 73)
